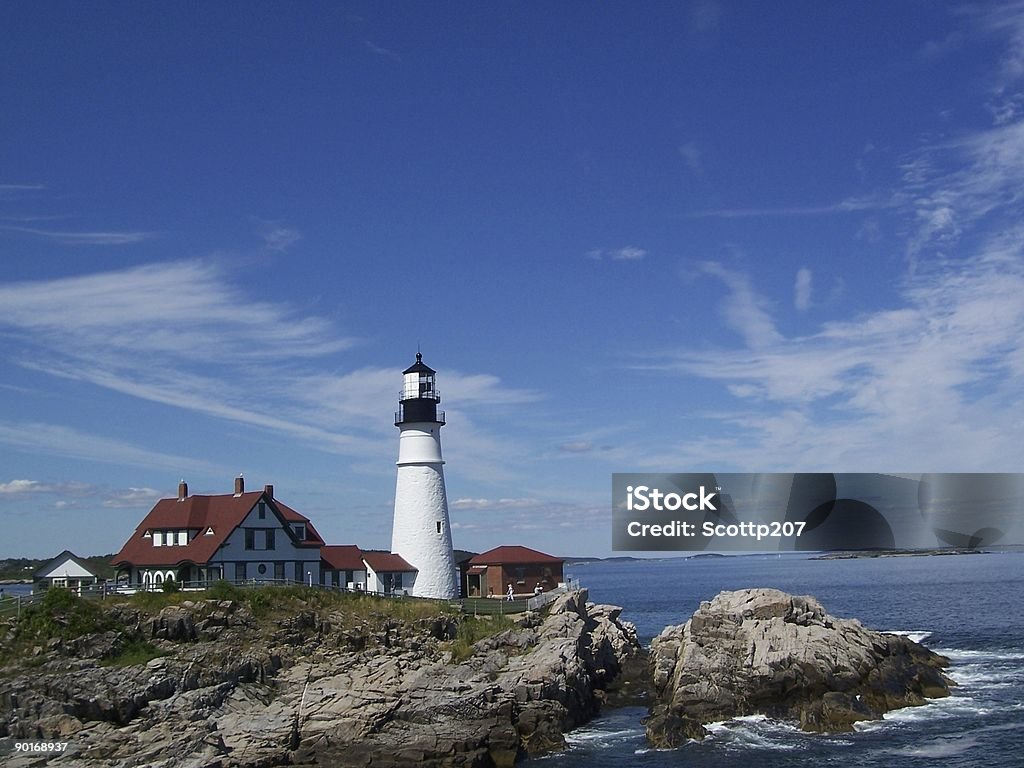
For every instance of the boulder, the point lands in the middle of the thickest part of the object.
(762, 651)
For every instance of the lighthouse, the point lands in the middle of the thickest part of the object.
(421, 532)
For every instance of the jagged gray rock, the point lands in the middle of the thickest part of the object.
(762, 651)
(324, 691)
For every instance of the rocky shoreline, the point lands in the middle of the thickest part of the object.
(320, 692)
(316, 688)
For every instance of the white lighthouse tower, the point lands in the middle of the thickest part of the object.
(421, 532)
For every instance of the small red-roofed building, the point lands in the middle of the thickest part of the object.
(490, 573)
(237, 537)
(388, 574)
(342, 566)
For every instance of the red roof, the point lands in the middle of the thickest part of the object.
(515, 555)
(343, 557)
(223, 513)
(382, 562)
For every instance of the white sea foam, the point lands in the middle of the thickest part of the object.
(754, 732)
(944, 747)
(596, 735)
(959, 654)
(917, 635)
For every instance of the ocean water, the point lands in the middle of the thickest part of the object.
(970, 608)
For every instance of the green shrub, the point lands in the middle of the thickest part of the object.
(134, 652)
(170, 586)
(223, 590)
(472, 629)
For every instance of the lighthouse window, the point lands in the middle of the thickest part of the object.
(438, 526)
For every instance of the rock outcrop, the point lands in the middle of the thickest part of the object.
(319, 690)
(762, 651)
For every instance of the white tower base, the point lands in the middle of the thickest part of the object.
(421, 532)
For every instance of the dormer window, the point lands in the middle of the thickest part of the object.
(300, 532)
(158, 538)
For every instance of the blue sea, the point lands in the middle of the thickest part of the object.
(968, 607)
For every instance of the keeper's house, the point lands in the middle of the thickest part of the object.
(237, 537)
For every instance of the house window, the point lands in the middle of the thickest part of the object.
(182, 538)
(279, 571)
(297, 570)
(250, 538)
(239, 571)
(158, 539)
(261, 570)
(270, 538)
(438, 524)
(398, 581)
(349, 577)
(209, 532)
(263, 510)
(300, 532)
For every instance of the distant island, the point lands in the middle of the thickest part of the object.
(860, 554)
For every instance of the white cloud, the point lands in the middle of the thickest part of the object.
(577, 446)
(802, 289)
(21, 486)
(132, 498)
(182, 334)
(692, 155)
(85, 238)
(849, 205)
(186, 309)
(906, 387)
(378, 50)
(58, 440)
(281, 238)
(629, 253)
(743, 309)
(626, 253)
(505, 503)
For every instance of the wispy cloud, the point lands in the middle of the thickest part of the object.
(705, 16)
(85, 238)
(984, 181)
(743, 309)
(276, 236)
(189, 309)
(849, 205)
(76, 493)
(182, 334)
(905, 386)
(378, 50)
(9, 190)
(21, 486)
(626, 253)
(281, 238)
(802, 289)
(59, 440)
(692, 156)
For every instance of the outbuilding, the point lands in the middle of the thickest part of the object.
(68, 571)
(528, 571)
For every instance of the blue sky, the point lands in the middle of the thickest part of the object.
(667, 237)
